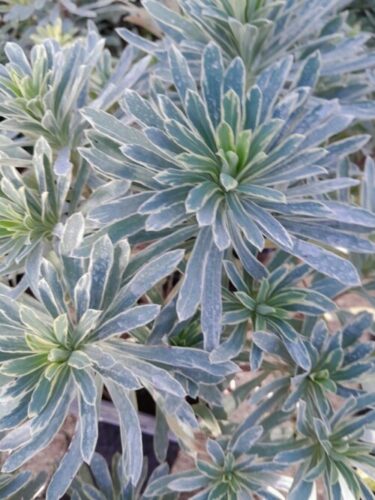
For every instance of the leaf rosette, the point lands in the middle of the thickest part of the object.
(231, 471)
(270, 306)
(70, 344)
(262, 32)
(334, 450)
(338, 363)
(236, 169)
(32, 204)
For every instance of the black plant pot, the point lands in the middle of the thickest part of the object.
(109, 432)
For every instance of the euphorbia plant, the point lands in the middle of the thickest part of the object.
(42, 93)
(238, 168)
(262, 32)
(199, 238)
(70, 345)
(32, 205)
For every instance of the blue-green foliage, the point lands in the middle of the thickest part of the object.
(171, 220)
(100, 482)
(237, 167)
(262, 32)
(21, 485)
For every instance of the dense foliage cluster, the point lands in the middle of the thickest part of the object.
(187, 209)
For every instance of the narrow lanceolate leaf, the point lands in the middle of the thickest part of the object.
(66, 470)
(147, 277)
(211, 299)
(240, 218)
(86, 385)
(269, 224)
(101, 260)
(89, 429)
(192, 286)
(181, 73)
(128, 321)
(60, 326)
(107, 365)
(43, 436)
(160, 379)
(326, 262)
(131, 434)
(231, 347)
(212, 78)
(141, 109)
(72, 234)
